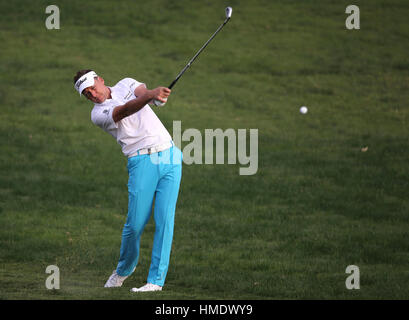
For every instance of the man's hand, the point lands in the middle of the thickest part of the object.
(160, 93)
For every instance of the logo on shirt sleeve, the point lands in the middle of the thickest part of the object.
(128, 95)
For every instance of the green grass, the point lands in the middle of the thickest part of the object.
(317, 204)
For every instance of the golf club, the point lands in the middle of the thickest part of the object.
(229, 11)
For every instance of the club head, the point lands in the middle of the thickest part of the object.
(229, 10)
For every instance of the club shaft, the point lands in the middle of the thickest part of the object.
(197, 54)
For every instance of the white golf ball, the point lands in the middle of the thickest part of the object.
(303, 109)
(134, 290)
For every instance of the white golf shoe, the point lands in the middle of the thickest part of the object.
(115, 280)
(147, 288)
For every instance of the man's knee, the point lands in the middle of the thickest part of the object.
(132, 230)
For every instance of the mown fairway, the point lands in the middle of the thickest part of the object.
(331, 188)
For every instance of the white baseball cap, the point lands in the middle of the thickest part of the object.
(87, 80)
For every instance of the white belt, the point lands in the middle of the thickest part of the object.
(153, 149)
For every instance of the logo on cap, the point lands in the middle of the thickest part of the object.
(80, 82)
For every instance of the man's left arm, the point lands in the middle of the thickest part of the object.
(134, 105)
(140, 90)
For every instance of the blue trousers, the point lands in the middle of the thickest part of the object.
(155, 176)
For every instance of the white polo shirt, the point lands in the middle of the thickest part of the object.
(140, 130)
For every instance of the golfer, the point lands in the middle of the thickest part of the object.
(154, 168)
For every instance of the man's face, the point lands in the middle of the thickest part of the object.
(97, 93)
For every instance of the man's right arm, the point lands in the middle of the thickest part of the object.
(134, 105)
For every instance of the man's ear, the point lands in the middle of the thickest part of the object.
(101, 80)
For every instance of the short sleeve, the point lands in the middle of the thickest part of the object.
(102, 117)
(131, 83)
